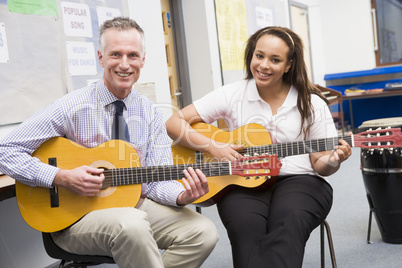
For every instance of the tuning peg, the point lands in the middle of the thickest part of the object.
(257, 177)
(267, 177)
(247, 178)
(379, 128)
(247, 155)
(255, 154)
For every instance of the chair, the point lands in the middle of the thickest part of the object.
(325, 227)
(334, 97)
(73, 260)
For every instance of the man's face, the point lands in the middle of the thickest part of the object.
(122, 60)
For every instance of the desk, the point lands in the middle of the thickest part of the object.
(7, 187)
(364, 96)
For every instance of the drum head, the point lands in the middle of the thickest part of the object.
(393, 122)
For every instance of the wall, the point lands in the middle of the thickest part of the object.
(341, 36)
(148, 15)
(341, 40)
(20, 245)
(202, 46)
(347, 35)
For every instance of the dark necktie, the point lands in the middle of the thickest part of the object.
(120, 131)
(119, 128)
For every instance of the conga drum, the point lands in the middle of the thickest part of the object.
(382, 176)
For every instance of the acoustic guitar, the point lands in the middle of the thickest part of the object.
(257, 141)
(50, 210)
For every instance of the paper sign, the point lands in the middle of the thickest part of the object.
(36, 7)
(106, 13)
(76, 19)
(264, 17)
(3, 44)
(81, 58)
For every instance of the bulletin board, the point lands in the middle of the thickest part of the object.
(47, 49)
(236, 21)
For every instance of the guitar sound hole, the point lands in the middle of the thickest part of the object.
(106, 183)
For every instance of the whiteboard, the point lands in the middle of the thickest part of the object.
(37, 71)
(33, 77)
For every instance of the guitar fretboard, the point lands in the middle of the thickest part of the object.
(138, 175)
(298, 147)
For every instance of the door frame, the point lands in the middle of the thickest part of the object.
(179, 38)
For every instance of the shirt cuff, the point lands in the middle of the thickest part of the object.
(46, 176)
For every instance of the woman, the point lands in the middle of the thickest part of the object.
(269, 228)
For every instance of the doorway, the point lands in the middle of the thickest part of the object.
(299, 19)
(175, 90)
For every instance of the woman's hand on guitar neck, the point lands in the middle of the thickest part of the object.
(83, 180)
(327, 163)
(224, 151)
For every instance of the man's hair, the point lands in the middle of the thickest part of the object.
(120, 24)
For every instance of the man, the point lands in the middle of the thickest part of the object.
(132, 236)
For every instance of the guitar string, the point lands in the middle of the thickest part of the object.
(298, 147)
(284, 149)
(144, 174)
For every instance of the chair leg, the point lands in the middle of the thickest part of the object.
(325, 225)
(322, 239)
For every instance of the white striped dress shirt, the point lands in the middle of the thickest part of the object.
(86, 116)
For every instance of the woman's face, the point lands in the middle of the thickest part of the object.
(270, 61)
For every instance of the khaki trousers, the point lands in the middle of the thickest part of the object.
(134, 236)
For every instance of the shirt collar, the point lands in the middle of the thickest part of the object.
(252, 91)
(253, 95)
(291, 99)
(106, 97)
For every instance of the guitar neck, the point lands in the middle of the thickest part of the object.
(139, 175)
(299, 147)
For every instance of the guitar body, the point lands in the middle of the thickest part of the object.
(34, 202)
(247, 135)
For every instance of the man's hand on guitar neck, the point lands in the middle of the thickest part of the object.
(196, 185)
(83, 180)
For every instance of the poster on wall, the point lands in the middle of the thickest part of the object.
(76, 19)
(106, 13)
(81, 58)
(238, 19)
(232, 32)
(34, 7)
(4, 57)
(264, 17)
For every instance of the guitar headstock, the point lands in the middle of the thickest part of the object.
(265, 165)
(379, 138)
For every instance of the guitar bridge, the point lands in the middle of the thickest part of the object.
(54, 191)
